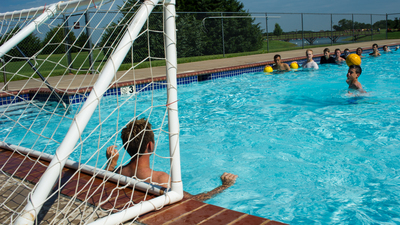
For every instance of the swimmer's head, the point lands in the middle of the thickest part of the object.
(277, 58)
(385, 48)
(375, 46)
(359, 51)
(326, 53)
(309, 53)
(337, 52)
(357, 68)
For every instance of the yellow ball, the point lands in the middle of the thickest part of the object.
(294, 65)
(268, 69)
(353, 59)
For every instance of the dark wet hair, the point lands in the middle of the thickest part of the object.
(276, 56)
(375, 45)
(327, 50)
(135, 137)
(358, 68)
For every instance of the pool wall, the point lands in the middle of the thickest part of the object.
(74, 96)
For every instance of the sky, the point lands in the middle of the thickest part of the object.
(287, 22)
(289, 6)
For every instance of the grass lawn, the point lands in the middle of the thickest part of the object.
(56, 64)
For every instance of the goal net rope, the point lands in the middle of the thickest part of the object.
(74, 74)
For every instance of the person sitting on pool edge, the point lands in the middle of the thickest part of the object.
(375, 51)
(338, 59)
(279, 65)
(359, 52)
(352, 78)
(326, 58)
(310, 63)
(138, 141)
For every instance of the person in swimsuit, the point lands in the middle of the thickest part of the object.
(359, 52)
(138, 141)
(279, 65)
(345, 53)
(375, 50)
(310, 63)
(338, 59)
(352, 79)
(326, 58)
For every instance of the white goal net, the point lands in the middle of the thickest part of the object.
(78, 79)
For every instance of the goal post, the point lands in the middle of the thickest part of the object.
(76, 136)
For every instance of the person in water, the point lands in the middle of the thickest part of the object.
(279, 65)
(338, 59)
(359, 51)
(326, 58)
(353, 74)
(138, 141)
(346, 52)
(375, 50)
(310, 63)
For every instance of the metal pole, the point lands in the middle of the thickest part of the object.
(222, 29)
(302, 32)
(386, 26)
(372, 30)
(89, 41)
(67, 48)
(266, 25)
(352, 25)
(4, 74)
(40, 75)
(331, 31)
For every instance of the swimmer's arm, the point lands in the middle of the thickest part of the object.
(228, 179)
(361, 90)
(287, 67)
(112, 153)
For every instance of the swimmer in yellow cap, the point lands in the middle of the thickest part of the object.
(352, 78)
(279, 65)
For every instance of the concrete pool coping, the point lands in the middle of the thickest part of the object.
(82, 83)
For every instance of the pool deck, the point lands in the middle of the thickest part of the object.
(187, 211)
(72, 82)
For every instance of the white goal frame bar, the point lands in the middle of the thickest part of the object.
(43, 188)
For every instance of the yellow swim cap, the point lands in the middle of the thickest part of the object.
(268, 69)
(294, 65)
(353, 59)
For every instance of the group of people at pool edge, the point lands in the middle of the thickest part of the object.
(354, 70)
(138, 140)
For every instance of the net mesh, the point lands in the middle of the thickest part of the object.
(69, 51)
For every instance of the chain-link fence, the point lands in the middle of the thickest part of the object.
(202, 34)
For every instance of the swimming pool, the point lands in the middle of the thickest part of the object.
(304, 150)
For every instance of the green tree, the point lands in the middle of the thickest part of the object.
(82, 41)
(239, 34)
(29, 46)
(55, 41)
(278, 30)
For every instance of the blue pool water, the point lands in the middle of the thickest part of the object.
(305, 151)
